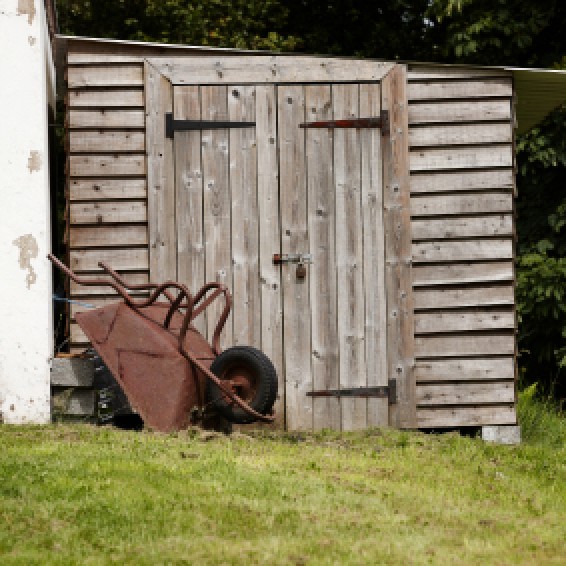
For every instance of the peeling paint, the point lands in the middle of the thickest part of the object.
(31, 40)
(34, 161)
(27, 8)
(28, 251)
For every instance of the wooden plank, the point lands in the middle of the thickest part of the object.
(93, 189)
(86, 305)
(103, 212)
(84, 291)
(349, 257)
(104, 75)
(105, 98)
(160, 178)
(460, 134)
(270, 236)
(268, 69)
(462, 227)
(106, 165)
(462, 369)
(72, 372)
(459, 111)
(374, 256)
(74, 403)
(322, 273)
(496, 295)
(189, 196)
(245, 230)
(217, 201)
(294, 239)
(443, 181)
(465, 393)
(491, 272)
(466, 416)
(400, 323)
(478, 88)
(107, 236)
(464, 345)
(420, 72)
(87, 141)
(461, 157)
(459, 321)
(130, 259)
(105, 118)
(461, 204)
(76, 334)
(462, 250)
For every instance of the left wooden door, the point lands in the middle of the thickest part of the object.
(226, 209)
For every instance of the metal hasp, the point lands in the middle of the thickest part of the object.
(279, 259)
(381, 121)
(380, 391)
(157, 356)
(172, 126)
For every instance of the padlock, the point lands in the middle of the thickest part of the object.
(301, 271)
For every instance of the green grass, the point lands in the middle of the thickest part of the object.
(76, 494)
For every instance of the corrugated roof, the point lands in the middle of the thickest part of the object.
(538, 91)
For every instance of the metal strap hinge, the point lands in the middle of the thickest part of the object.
(172, 126)
(380, 391)
(381, 121)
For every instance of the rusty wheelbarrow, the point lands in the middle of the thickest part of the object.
(170, 374)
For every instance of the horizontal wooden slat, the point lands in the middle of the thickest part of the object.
(88, 189)
(478, 88)
(461, 157)
(460, 134)
(464, 345)
(72, 372)
(103, 165)
(85, 141)
(74, 402)
(101, 236)
(464, 297)
(87, 305)
(106, 118)
(444, 181)
(456, 321)
(464, 250)
(475, 369)
(462, 273)
(108, 211)
(466, 416)
(461, 204)
(459, 111)
(462, 227)
(93, 291)
(104, 75)
(132, 259)
(105, 98)
(465, 393)
(268, 69)
(435, 72)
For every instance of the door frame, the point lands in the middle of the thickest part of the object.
(162, 73)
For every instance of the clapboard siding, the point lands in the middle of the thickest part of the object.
(461, 160)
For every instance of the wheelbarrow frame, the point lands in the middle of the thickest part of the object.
(183, 307)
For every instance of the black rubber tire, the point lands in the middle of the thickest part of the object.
(259, 367)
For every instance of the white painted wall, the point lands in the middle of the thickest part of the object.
(26, 88)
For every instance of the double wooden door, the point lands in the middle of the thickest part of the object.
(265, 184)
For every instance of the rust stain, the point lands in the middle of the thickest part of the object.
(27, 8)
(27, 245)
(31, 40)
(34, 161)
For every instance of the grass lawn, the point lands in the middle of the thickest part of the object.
(76, 494)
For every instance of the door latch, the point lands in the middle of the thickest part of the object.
(299, 259)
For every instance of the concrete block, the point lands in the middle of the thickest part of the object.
(502, 434)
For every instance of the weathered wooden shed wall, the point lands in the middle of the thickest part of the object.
(461, 178)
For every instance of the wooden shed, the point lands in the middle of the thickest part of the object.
(406, 315)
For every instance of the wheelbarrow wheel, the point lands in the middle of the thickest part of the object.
(250, 375)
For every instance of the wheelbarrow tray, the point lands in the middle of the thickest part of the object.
(144, 358)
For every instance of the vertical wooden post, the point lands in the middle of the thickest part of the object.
(160, 178)
(397, 220)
